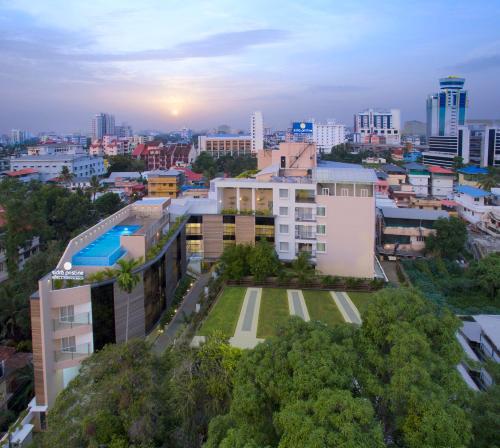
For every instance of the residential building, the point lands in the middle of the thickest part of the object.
(442, 179)
(50, 166)
(24, 174)
(491, 147)
(379, 123)
(401, 232)
(418, 177)
(52, 148)
(71, 320)
(479, 337)
(29, 248)
(471, 175)
(103, 124)
(257, 131)
(327, 135)
(124, 131)
(395, 174)
(473, 203)
(165, 183)
(11, 362)
(160, 156)
(429, 203)
(218, 145)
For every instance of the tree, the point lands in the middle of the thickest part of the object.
(458, 162)
(450, 238)
(125, 164)
(204, 162)
(302, 267)
(114, 401)
(66, 175)
(127, 280)
(263, 261)
(487, 182)
(108, 203)
(486, 274)
(94, 187)
(234, 261)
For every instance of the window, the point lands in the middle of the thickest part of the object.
(344, 192)
(68, 344)
(283, 228)
(325, 191)
(67, 313)
(283, 211)
(321, 211)
(283, 246)
(364, 193)
(321, 229)
(283, 193)
(321, 247)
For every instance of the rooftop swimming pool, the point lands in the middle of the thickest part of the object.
(105, 250)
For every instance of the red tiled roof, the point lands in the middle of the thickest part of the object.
(448, 203)
(439, 170)
(191, 176)
(22, 172)
(139, 150)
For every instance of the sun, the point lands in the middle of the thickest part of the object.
(175, 112)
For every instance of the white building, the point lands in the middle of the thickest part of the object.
(473, 203)
(441, 182)
(103, 124)
(50, 166)
(257, 131)
(18, 136)
(443, 149)
(327, 135)
(51, 148)
(380, 123)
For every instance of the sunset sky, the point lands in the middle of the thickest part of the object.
(162, 64)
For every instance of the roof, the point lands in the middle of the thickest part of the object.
(473, 170)
(415, 166)
(490, 325)
(413, 213)
(124, 175)
(23, 172)
(448, 203)
(191, 176)
(391, 168)
(331, 164)
(439, 170)
(139, 150)
(472, 191)
(362, 175)
(228, 136)
(162, 173)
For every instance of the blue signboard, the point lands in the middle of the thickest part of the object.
(302, 127)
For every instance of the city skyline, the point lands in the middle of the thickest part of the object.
(202, 64)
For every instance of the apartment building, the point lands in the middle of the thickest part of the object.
(160, 156)
(442, 180)
(218, 145)
(78, 308)
(165, 183)
(418, 177)
(473, 203)
(327, 135)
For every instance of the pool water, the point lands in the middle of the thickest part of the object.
(105, 250)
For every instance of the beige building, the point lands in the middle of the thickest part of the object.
(219, 145)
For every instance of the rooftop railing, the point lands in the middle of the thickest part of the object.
(75, 352)
(76, 320)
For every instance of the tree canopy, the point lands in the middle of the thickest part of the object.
(125, 164)
(450, 238)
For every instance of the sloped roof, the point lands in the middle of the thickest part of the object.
(473, 170)
(439, 170)
(22, 172)
(413, 213)
(473, 191)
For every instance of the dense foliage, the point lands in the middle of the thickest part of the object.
(232, 166)
(450, 238)
(125, 164)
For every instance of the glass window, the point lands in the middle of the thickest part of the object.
(321, 247)
(283, 246)
(321, 229)
(325, 191)
(283, 228)
(283, 211)
(67, 313)
(283, 193)
(68, 344)
(321, 211)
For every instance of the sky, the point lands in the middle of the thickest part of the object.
(164, 64)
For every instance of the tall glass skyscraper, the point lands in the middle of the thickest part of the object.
(447, 109)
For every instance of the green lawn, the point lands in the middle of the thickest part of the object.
(224, 315)
(273, 311)
(321, 307)
(361, 300)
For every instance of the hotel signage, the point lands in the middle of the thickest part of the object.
(302, 128)
(68, 273)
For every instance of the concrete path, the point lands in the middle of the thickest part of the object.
(297, 304)
(390, 270)
(187, 307)
(348, 310)
(245, 335)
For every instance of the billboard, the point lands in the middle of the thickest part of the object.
(302, 127)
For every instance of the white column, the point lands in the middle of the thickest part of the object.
(238, 198)
(253, 199)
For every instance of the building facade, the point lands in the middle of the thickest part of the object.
(379, 123)
(491, 147)
(257, 131)
(327, 135)
(218, 145)
(103, 124)
(444, 149)
(165, 183)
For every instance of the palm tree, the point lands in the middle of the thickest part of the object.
(488, 182)
(94, 187)
(127, 280)
(66, 175)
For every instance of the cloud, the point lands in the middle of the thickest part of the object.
(479, 64)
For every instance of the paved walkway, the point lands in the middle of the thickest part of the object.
(389, 268)
(297, 304)
(187, 307)
(245, 335)
(348, 310)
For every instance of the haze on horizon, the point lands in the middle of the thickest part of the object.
(164, 64)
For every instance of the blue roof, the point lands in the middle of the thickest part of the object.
(332, 164)
(472, 191)
(473, 170)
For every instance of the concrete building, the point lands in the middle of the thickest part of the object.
(401, 232)
(418, 177)
(491, 147)
(257, 131)
(50, 166)
(160, 156)
(18, 136)
(441, 182)
(103, 124)
(473, 203)
(327, 135)
(71, 320)
(165, 183)
(218, 145)
(443, 149)
(52, 148)
(29, 248)
(379, 123)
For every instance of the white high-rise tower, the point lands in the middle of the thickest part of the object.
(257, 131)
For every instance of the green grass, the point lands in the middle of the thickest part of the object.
(273, 311)
(361, 300)
(321, 307)
(224, 315)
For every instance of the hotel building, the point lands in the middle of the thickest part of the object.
(385, 124)
(73, 317)
(327, 135)
(218, 145)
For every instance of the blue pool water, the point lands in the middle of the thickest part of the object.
(105, 250)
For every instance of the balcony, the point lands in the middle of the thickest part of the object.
(305, 196)
(307, 217)
(300, 235)
(72, 353)
(71, 321)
